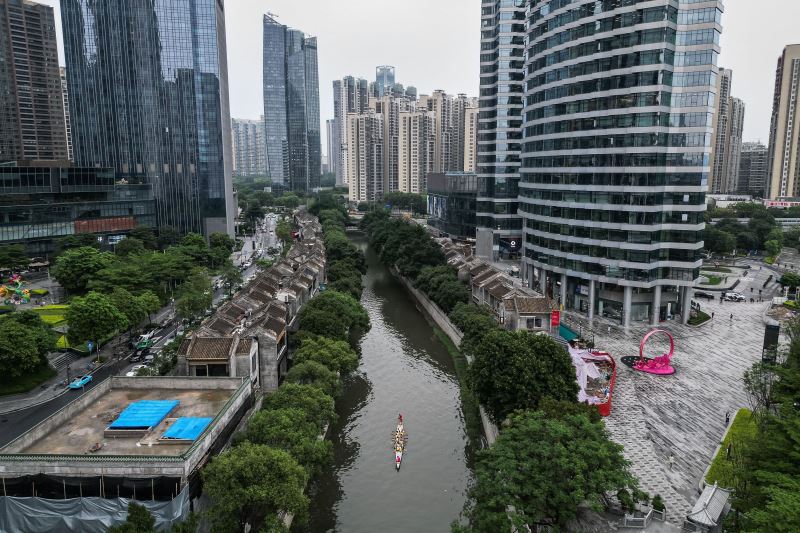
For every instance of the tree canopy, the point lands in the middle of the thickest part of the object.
(250, 483)
(318, 406)
(517, 370)
(541, 468)
(316, 375)
(76, 266)
(93, 318)
(195, 295)
(334, 315)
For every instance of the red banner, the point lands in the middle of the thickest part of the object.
(105, 225)
(555, 318)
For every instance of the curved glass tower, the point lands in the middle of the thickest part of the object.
(615, 160)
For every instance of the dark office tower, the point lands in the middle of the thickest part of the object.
(31, 105)
(384, 79)
(753, 169)
(291, 106)
(148, 97)
(615, 161)
(502, 59)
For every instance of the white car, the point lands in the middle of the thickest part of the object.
(134, 369)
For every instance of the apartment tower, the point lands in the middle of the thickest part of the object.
(365, 165)
(753, 165)
(726, 143)
(615, 162)
(471, 137)
(350, 95)
(291, 107)
(32, 123)
(499, 232)
(249, 147)
(783, 169)
(159, 112)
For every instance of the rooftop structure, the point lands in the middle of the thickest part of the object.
(122, 427)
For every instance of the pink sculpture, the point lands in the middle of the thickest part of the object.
(659, 365)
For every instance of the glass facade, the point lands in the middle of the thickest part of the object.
(384, 79)
(291, 107)
(500, 127)
(617, 130)
(148, 95)
(451, 203)
(40, 204)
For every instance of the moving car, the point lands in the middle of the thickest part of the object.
(701, 294)
(735, 297)
(81, 382)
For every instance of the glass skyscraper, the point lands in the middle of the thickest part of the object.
(384, 79)
(499, 233)
(291, 107)
(148, 97)
(615, 160)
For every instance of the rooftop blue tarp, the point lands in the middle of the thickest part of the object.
(144, 414)
(187, 428)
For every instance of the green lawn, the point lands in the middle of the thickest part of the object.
(699, 318)
(742, 430)
(26, 383)
(713, 280)
(717, 269)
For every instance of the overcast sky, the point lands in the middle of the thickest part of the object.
(434, 44)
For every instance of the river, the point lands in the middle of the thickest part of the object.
(404, 369)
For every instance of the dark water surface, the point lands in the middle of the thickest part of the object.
(404, 369)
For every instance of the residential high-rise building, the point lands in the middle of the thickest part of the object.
(249, 147)
(159, 111)
(384, 79)
(615, 159)
(449, 114)
(726, 140)
(753, 169)
(65, 98)
(350, 95)
(416, 149)
(291, 106)
(784, 136)
(364, 135)
(31, 102)
(471, 138)
(333, 150)
(390, 107)
(499, 232)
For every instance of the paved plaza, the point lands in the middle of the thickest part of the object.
(683, 416)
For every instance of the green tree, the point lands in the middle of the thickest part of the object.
(168, 236)
(222, 240)
(516, 370)
(250, 483)
(139, 520)
(231, 276)
(93, 318)
(45, 338)
(773, 248)
(13, 256)
(335, 355)
(19, 354)
(75, 267)
(283, 230)
(132, 307)
(335, 315)
(149, 302)
(781, 514)
(145, 235)
(78, 240)
(790, 279)
(318, 406)
(194, 295)
(718, 241)
(129, 246)
(289, 200)
(540, 470)
(290, 429)
(315, 374)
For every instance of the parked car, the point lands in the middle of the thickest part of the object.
(134, 369)
(733, 297)
(701, 294)
(81, 382)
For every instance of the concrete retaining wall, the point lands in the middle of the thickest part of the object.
(490, 431)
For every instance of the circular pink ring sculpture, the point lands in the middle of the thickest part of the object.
(660, 365)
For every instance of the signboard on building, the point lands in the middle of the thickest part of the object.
(105, 225)
(555, 319)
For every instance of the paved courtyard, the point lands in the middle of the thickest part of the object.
(683, 415)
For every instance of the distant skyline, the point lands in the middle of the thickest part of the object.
(435, 45)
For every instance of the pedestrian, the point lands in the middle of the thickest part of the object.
(609, 330)
(727, 418)
(731, 318)
(712, 315)
(671, 461)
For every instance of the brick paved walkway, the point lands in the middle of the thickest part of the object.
(682, 415)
